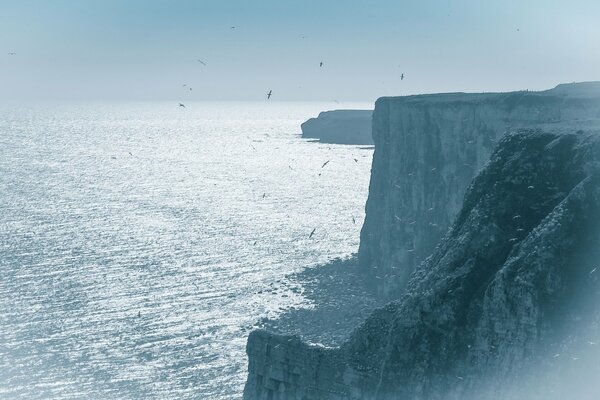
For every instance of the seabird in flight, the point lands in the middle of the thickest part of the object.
(326, 162)
(269, 94)
(402, 77)
(321, 64)
(312, 233)
(181, 105)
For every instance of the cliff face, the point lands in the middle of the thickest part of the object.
(427, 150)
(340, 126)
(507, 299)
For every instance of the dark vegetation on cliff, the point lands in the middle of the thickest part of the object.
(505, 307)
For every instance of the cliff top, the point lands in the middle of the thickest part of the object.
(576, 90)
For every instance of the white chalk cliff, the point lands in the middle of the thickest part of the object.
(483, 222)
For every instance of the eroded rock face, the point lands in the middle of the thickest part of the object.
(340, 126)
(507, 299)
(428, 149)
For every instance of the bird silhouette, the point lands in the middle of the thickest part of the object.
(312, 233)
(269, 94)
(201, 62)
(181, 105)
(402, 77)
(326, 162)
(12, 54)
(321, 64)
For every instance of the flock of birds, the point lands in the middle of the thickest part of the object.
(269, 95)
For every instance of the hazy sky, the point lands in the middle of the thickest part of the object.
(147, 49)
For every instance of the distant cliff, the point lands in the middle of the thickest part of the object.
(340, 126)
(428, 148)
(507, 300)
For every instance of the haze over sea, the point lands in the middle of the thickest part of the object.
(139, 242)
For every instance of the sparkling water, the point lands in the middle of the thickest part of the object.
(138, 240)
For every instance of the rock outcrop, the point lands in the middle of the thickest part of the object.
(428, 148)
(340, 126)
(507, 299)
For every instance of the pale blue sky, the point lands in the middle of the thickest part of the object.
(146, 49)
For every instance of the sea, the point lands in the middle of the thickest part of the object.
(140, 242)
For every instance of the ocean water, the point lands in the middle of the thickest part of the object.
(139, 242)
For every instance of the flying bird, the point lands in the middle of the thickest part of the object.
(232, 27)
(402, 77)
(201, 62)
(321, 64)
(181, 105)
(326, 162)
(12, 54)
(312, 233)
(269, 94)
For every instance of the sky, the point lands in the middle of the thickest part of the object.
(148, 49)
